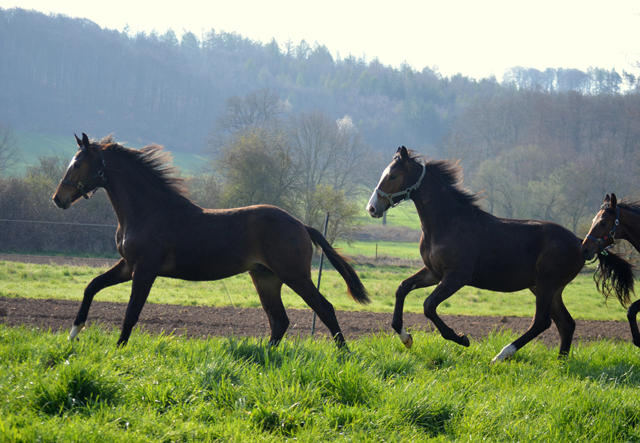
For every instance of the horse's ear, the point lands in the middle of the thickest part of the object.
(606, 200)
(85, 140)
(79, 142)
(404, 154)
(614, 201)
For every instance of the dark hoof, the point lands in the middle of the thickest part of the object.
(464, 341)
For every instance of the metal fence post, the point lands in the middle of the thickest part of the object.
(326, 223)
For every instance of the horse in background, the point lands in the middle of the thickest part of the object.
(161, 233)
(614, 275)
(463, 245)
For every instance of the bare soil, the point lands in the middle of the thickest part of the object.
(195, 321)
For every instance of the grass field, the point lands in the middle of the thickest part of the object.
(64, 282)
(172, 389)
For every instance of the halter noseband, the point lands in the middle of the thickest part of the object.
(98, 176)
(406, 192)
(612, 234)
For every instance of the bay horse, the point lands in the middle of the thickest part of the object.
(615, 276)
(163, 233)
(463, 245)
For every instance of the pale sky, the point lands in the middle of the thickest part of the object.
(475, 38)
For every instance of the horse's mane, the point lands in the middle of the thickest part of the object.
(632, 205)
(152, 161)
(449, 173)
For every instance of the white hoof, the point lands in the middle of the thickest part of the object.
(406, 338)
(506, 352)
(75, 330)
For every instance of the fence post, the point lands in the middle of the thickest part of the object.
(326, 223)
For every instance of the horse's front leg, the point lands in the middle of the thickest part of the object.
(632, 313)
(143, 279)
(448, 286)
(423, 278)
(119, 273)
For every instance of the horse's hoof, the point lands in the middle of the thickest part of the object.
(409, 342)
(406, 338)
(464, 341)
(506, 353)
(75, 330)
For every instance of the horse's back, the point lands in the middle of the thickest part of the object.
(224, 242)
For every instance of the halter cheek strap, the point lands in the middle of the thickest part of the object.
(612, 235)
(98, 176)
(406, 193)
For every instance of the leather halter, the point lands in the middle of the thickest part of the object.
(406, 192)
(98, 176)
(612, 233)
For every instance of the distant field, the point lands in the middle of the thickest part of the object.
(32, 145)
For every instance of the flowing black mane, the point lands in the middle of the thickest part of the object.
(152, 161)
(449, 173)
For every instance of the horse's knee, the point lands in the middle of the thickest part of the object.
(400, 292)
(430, 309)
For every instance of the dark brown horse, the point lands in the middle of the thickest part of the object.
(463, 245)
(614, 276)
(162, 233)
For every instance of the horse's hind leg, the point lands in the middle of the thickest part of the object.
(632, 313)
(119, 273)
(423, 278)
(305, 288)
(564, 322)
(269, 288)
(541, 321)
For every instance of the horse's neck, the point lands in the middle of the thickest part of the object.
(630, 219)
(436, 206)
(131, 196)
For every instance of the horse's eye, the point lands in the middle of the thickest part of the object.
(393, 177)
(77, 164)
(603, 223)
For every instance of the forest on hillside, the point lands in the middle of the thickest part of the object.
(541, 144)
(64, 75)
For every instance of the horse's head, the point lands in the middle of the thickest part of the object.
(84, 175)
(603, 228)
(397, 182)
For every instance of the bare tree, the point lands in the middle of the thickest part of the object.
(255, 109)
(9, 153)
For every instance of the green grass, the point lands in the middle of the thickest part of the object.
(403, 215)
(383, 247)
(173, 389)
(67, 282)
(32, 145)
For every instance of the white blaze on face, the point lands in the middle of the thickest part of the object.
(373, 200)
(71, 163)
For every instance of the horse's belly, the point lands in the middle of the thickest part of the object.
(202, 271)
(506, 278)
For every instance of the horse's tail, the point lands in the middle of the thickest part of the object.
(355, 287)
(615, 277)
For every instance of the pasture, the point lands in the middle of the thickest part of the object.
(165, 388)
(68, 283)
(172, 389)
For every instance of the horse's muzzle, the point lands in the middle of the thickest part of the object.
(59, 203)
(588, 253)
